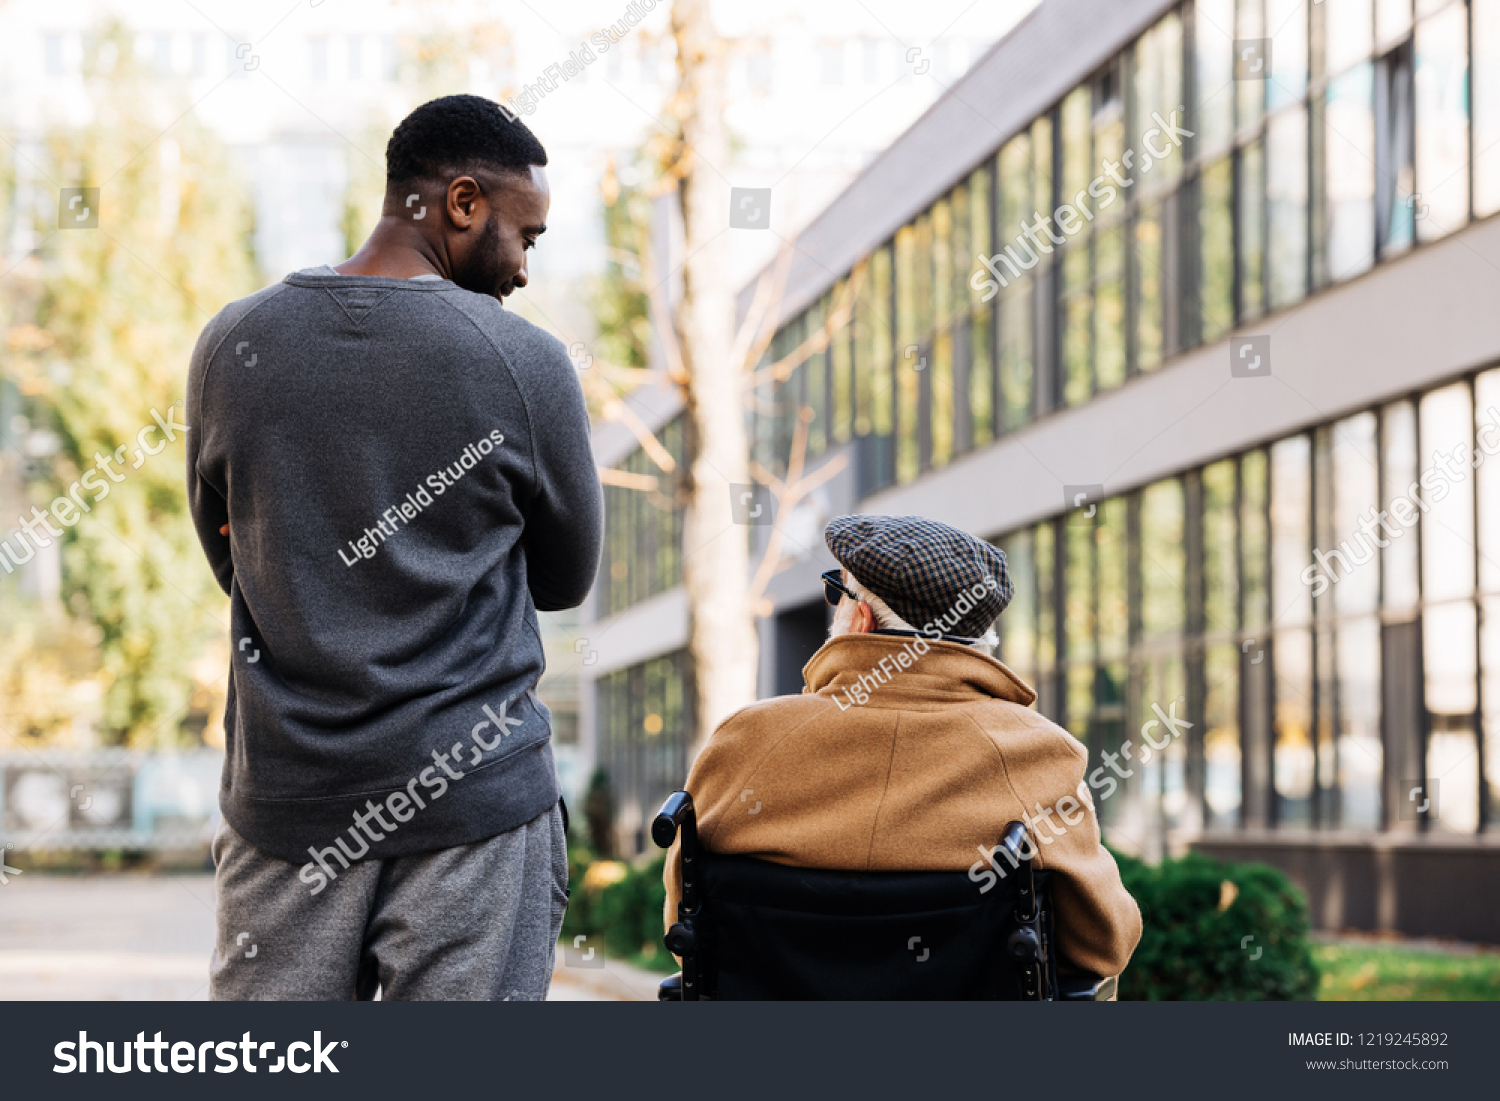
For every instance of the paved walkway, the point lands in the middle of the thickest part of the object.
(148, 938)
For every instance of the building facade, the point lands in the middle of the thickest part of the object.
(1186, 307)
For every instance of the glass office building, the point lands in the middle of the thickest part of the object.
(1216, 272)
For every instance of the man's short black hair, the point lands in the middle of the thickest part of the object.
(456, 134)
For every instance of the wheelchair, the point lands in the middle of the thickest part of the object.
(750, 929)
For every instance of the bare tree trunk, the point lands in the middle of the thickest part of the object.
(716, 557)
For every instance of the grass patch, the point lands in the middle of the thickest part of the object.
(1375, 973)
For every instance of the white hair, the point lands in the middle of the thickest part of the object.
(890, 621)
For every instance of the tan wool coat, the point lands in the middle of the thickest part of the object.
(923, 775)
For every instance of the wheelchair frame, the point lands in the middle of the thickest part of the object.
(1029, 943)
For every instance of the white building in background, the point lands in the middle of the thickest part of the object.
(305, 98)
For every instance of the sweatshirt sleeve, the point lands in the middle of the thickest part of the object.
(209, 509)
(565, 525)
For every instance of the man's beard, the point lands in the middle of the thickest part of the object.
(843, 619)
(481, 274)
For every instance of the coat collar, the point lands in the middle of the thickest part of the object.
(947, 672)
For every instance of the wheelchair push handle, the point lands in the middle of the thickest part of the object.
(677, 809)
(1016, 844)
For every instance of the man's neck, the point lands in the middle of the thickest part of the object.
(395, 250)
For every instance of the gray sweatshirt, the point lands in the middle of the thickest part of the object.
(406, 471)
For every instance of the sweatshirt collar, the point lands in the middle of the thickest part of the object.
(948, 670)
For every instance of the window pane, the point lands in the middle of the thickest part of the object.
(1486, 16)
(1286, 26)
(1349, 127)
(1286, 197)
(906, 287)
(786, 397)
(1487, 420)
(1160, 779)
(1252, 231)
(1044, 546)
(1291, 596)
(1325, 780)
(908, 384)
(1348, 34)
(1448, 655)
(1442, 78)
(1220, 568)
(1250, 98)
(765, 420)
(817, 377)
(1170, 30)
(1158, 89)
(1216, 250)
(1395, 152)
(1392, 20)
(1221, 736)
(922, 273)
(981, 379)
(1113, 615)
(1398, 429)
(1355, 489)
(1041, 169)
(1109, 148)
(1294, 749)
(960, 254)
(1109, 307)
(841, 365)
(1214, 57)
(1146, 261)
(1017, 347)
(1077, 307)
(864, 323)
(1017, 624)
(1148, 83)
(1358, 746)
(1162, 567)
(942, 262)
(1077, 150)
(1015, 187)
(1078, 606)
(881, 395)
(979, 222)
(1490, 654)
(1448, 527)
(943, 413)
(1254, 536)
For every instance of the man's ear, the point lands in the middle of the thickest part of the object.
(462, 201)
(864, 619)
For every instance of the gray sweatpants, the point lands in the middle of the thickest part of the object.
(472, 923)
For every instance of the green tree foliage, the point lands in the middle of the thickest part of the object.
(599, 814)
(619, 300)
(120, 308)
(1217, 931)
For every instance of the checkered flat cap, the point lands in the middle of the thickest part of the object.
(932, 575)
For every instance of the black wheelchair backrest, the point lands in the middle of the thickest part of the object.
(753, 929)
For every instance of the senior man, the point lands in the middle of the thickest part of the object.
(911, 747)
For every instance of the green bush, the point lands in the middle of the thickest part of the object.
(619, 906)
(579, 917)
(1199, 914)
(629, 913)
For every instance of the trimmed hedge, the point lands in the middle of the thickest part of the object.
(1198, 912)
(619, 906)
